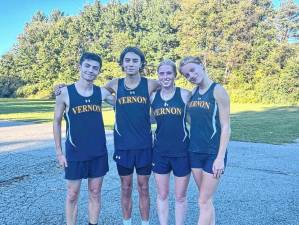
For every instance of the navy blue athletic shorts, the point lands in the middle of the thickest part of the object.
(127, 160)
(180, 166)
(144, 171)
(204, 161)
(96, 167)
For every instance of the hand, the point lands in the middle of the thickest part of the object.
(218, 168)
(61, 160)
(57, 89)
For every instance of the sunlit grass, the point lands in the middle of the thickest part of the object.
(250, 122)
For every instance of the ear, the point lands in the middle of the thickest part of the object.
(119, 63)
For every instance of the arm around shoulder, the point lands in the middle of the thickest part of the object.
(186, 95)
(111, 86)
(153, 85)
(107, 96)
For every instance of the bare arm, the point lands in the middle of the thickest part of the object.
(186, 95)
(152, 117)
(153, 85)
(111, 86)
(107, 96)
(222, 99)
(223, 103)
(57, 89)
(60, 107)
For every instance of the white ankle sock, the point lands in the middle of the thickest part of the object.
(127, 222)
(143, 222)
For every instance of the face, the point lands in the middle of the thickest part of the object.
(193, 72)
(89, 69)
(166, 76)
(131, 63)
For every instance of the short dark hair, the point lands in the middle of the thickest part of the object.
(91, 56)
(135, 50)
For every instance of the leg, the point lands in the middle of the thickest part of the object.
(197, 175)
(71, 208)
(126, 195)
(208, 187)
(94, 200)
(162, 184)
(144, 199)
(181, 185)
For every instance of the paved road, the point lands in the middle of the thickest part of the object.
(261, 184)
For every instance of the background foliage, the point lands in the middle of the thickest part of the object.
(248, 46)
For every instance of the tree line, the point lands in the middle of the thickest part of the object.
(247, 45)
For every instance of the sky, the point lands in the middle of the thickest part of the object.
(14, 14)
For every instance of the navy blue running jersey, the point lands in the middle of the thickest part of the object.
(205, 126)
(132, 129)
(85, 138)
(171, 136)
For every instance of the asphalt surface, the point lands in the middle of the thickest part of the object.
(260, 185)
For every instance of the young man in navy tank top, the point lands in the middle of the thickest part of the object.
(132, 131)
(170, 143)
(85, 147)
(209, 110)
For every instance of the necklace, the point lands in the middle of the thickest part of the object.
(131, 90)
(169, 97)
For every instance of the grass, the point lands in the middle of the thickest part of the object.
(274, 124)
(39, 111)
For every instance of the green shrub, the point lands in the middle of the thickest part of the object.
(9, 84)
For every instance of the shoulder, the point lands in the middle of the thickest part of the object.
(113, 81)
(111, 86)
(152, 81)
(97, 87)
(63, 94)
(153, 85)
(64, 91)
(185, 94)
(104, 91)
(193, 90)
(153, 95)
(221, 94)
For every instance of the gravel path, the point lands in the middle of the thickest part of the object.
(261, 184)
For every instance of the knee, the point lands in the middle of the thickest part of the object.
(72, 196)
(162, 196)
(94, 192)
(205, 202)
(143, 189)
(126, 188)
(180, 198)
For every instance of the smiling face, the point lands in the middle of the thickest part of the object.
(166, 76)
(89, 70)
(193, 72)
(131, 63)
